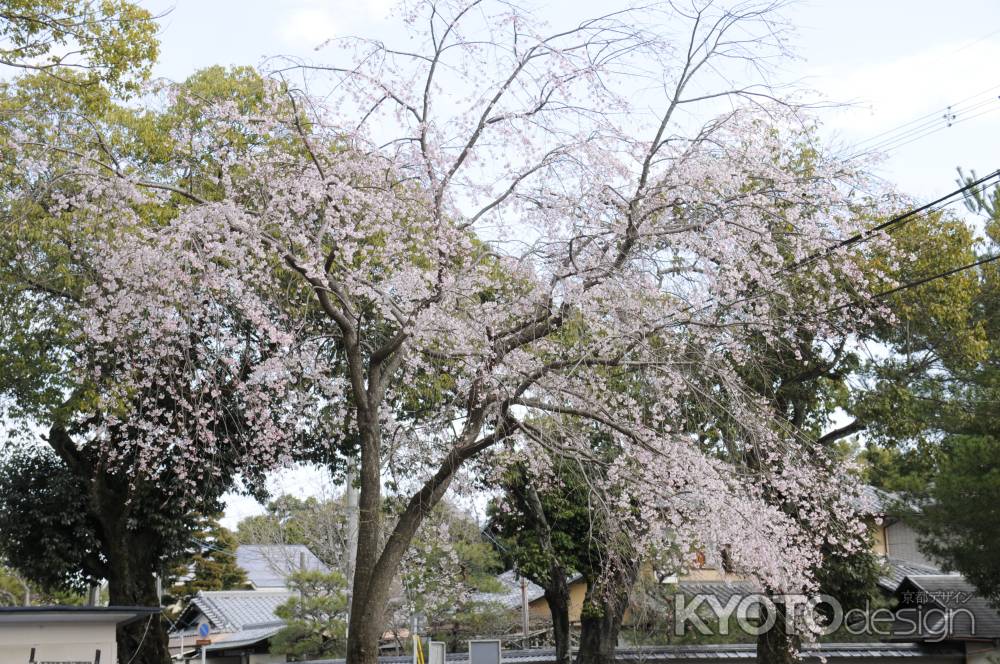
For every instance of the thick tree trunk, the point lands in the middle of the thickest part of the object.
(144, 640)
(132, 560)
(603, 610)
(775, 645)
(367, 609)
(557, 596)
(132, 557)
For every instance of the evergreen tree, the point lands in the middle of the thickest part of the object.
(211, 564)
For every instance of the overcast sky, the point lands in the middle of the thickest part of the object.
(895, 61)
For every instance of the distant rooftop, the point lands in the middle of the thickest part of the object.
(944, 607)
(234, 610)
(75, 613)
(268, 565)
(898, 569)
(236, 618)
(510, 596)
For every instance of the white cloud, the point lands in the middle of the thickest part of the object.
(311, 22)
(312, 25)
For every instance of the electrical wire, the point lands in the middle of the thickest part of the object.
(925, 125)
(138, 648)
(920, 282)
(897, 220)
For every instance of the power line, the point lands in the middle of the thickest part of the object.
(928, 124)
(950, 118)
(940, 275)
(753, 290)
(866, 235)
(920, 282)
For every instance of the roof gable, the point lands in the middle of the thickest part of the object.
(234, 610)
(946, 607)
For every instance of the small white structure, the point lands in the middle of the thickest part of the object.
(74, 634)
(486, 651)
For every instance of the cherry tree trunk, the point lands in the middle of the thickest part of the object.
(131, 583)
(775, 645)
(376, 564)
(367, 603)
(603, 611)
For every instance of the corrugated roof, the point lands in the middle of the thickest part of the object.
(716, 652)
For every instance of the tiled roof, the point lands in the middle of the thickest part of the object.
(233, 610)
(709, 653)
(268, 565)
(945, 607)
(510, 596)
(897, 569)
(722, 590)
(237, 617)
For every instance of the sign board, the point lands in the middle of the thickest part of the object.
(436, 652)
(203, 630)
(484, 652)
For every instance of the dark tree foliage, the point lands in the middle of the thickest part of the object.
(315, 619)
(961, 519)
(46, 530)
(947, 462)
(549, 532)
(209, 561)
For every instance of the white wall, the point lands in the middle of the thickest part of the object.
(58, 641)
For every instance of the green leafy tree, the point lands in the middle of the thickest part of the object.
(125, 529)
(966, 539)
(315, 620)
(15, 590)
(105, 41)
(49, 534)
(552, 530)
(941, 451)
(448, 575)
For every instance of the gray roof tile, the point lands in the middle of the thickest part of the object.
(897, 569)
(971, 616)
(233, 610)
(268, 565)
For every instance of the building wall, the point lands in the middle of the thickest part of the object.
(539, 608)
(58, 641)
(901, 542)
(577, 591)
(878, 545)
